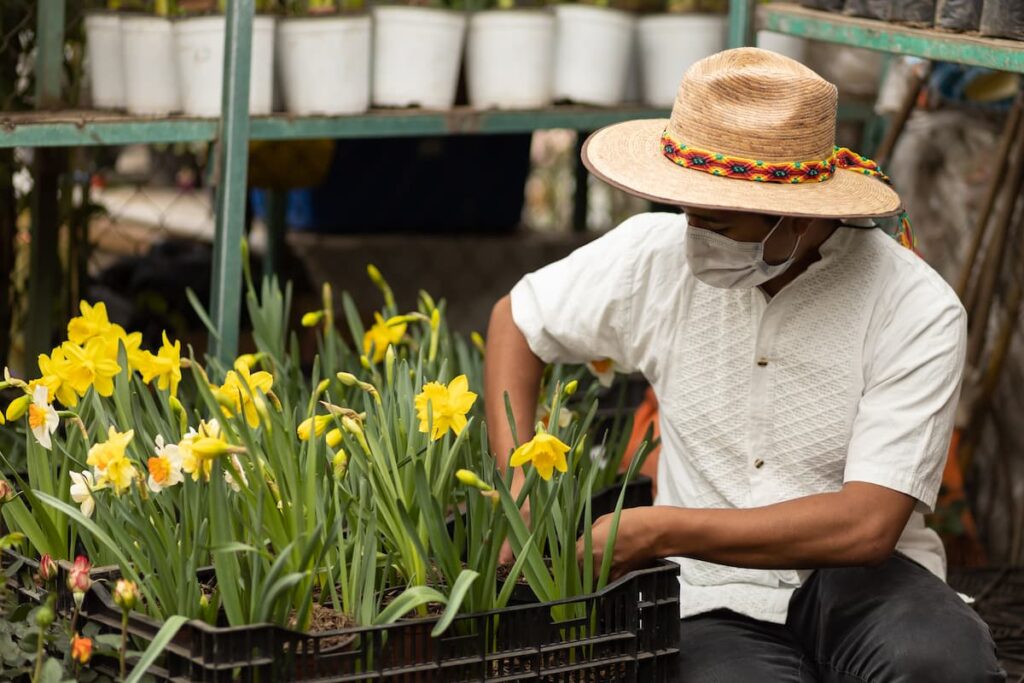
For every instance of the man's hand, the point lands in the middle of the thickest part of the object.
(637, 542)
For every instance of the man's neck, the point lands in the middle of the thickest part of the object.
(808, 252)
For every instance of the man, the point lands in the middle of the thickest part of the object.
(807, 366)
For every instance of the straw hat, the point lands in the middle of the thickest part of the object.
(749, 104)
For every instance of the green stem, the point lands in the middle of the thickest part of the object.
(37, 676)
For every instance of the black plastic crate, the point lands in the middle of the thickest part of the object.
(627, 633)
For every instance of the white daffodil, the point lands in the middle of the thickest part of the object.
(165, 467)
(603, 370)
(229, 475)
(42, 417)
(82, 487)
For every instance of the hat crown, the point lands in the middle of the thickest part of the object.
(755, 104)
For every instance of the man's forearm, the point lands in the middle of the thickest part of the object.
(511, 366)
(856, 526)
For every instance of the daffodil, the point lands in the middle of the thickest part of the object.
(132, 343)
(543, 451)
(448, 406)
(333, 438)
(55, 371)
(18, 407)
(230, 475)
(240, 393)
(314, 425)
(382, 334)
(82, 487)
(42, 418)
(164, 467)
(164, 366)
(92, 365)
(193, 461)
(102, 454)
(603, 370)
(92, 323)
(120, 473)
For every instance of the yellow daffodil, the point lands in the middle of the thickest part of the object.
(192, 461)
(132, 346)
(102, 454)
(93, 365)
(164, 467)
(334, 438)
(92, 323)
(82, 487)
(312, 319)
(448, 407)
(603, 370)
(314, 425)
(470, 478)
(164, 366)
(241, 391)
(55, 371)
(120, 473)
(545, 452)
(382, 334)
(42, 418)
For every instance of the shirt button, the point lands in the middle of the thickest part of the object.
(759, 463)
(762, 362)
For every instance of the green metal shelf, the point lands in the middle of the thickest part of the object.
(963, 48)
(88, 128)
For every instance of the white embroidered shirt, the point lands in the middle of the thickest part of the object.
(850, 373)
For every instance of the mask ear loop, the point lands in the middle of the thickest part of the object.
(769, 236)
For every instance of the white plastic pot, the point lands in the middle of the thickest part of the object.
(324, 64)
(509, 59)
(416, 56)
(790, 46)
(199, 44)
(150, 77)
(670, 44)
(592, 49)
(103, 43)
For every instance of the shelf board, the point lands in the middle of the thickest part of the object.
(963, 48)
(87, 128)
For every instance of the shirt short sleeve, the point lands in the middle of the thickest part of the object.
(905, 417)
(579, 309)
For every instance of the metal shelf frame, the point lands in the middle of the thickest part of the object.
(50, 127)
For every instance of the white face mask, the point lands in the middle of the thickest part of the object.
(725, 263)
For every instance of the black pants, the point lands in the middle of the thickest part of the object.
(892, 623)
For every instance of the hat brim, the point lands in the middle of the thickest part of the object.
(628, 156)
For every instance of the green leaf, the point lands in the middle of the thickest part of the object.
(160, 641)
(458, 594)
(52, 672)
(197, 306)
(409, 600)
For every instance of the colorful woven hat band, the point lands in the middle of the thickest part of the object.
(785, 172)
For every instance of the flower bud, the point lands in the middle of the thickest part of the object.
(348, 379)
(322, 387)
(204, 601)
(313, 425)
(126, 594)
(571, 387)
(375, 275)
(6, 491)
(17, 407)
(178, 411)
(312, 319)
(478, 341)
(81, 649)
(435, 319)
(334, 438)
(210, 447)
(469, 478)
(47, 568)
(79, 580)
(44, 616)
(340, 463)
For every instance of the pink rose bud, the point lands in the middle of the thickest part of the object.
(126, 594)
(6, 491)
(79, 580)
(47, 568)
